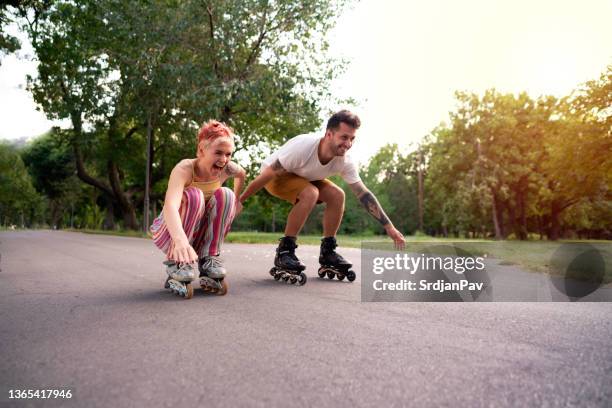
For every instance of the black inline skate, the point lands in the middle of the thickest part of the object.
(286, 265)
(332, 263)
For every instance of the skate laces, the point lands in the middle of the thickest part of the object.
(184, 267)
(213, 262)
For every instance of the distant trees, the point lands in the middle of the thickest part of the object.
(20, 203)
(124, 72)
(509, 164)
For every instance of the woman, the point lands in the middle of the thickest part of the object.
(198, 212)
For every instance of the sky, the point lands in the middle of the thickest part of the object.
(405, 59)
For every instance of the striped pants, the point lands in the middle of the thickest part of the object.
(205, 225)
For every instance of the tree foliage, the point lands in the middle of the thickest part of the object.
(116, 68)
(20, 204)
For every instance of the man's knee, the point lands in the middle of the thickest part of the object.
(337, 194)
(332, 195)
(309, 195)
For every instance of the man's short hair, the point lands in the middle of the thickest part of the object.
(343, 116)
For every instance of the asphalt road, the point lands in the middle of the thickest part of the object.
(89, 313)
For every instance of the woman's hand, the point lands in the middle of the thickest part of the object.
(182, 252)
(238, 207)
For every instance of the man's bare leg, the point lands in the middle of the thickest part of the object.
(333, 197)
(307, 199)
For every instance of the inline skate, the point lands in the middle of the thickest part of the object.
(179, 278)
(286, 265)
(212, 275)
(332, 263)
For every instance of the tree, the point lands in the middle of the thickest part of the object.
(114, 66)
(19, 202)
(50, 163)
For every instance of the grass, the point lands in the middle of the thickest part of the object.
(534, 256)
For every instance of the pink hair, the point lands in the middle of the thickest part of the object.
(214, 129)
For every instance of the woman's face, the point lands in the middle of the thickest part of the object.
(215, 156)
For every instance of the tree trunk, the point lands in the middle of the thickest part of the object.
(555, 224)
(109, 220)
(126, 207)
(420, 186)
(498, 231)
(521, 222)
(147, 174)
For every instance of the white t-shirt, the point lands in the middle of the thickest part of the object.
(300, 156)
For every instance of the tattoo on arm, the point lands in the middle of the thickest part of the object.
(358, 188)
(373, 207)
(277, 166)
(231, 169)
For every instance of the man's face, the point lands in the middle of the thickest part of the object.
(341, 139)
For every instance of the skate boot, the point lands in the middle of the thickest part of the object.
(286, 265)
(332, 263)
(179, 278)
(212, 275)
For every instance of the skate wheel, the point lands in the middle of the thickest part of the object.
(189, 293)
(167, 285)
(286, 278)
(340, 277)
(301, 279)
(277, 276)
(224, 288)
(321, 272)
(330, 275)
(351, 276)
(293, 280)
(273, 272)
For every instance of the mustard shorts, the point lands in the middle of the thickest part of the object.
(288, 186)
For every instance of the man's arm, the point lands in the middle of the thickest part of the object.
(264, 177)
(373, 207)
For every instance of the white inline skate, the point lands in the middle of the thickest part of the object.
(179, 278)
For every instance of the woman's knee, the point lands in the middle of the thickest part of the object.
(222, 196)
(193, 196)
(225, 194)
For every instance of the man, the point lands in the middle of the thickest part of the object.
(298, 172)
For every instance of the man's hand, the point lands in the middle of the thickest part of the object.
(396, 236)
(182, 252)
(257, 184)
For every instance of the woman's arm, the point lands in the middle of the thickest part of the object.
(180, 250)
(239, 174)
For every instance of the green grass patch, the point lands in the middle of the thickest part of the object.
(533, 256)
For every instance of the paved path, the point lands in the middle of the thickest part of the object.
(88, 312)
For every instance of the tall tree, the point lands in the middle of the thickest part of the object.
(113, 66)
